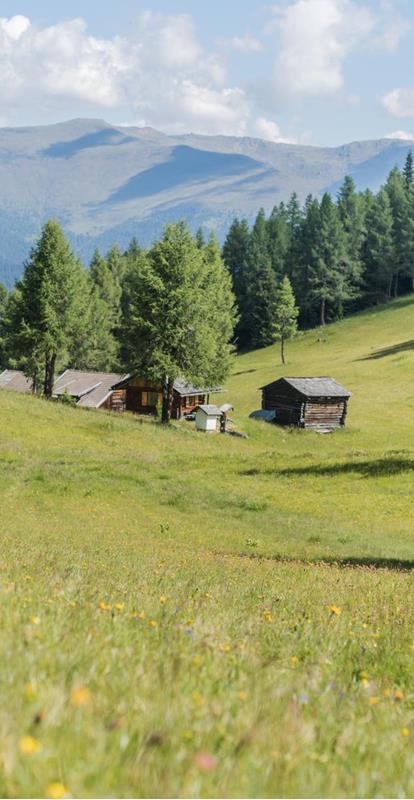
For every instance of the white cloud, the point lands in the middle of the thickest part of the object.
(244, 44)
(315, 37)
(405, 135)
(269, 130)
(159, 73)
(399, 102)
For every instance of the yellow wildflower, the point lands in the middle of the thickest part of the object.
(242, 695)
(29, 745)
(398, 695)
(57, 791)
(373, 701)
(138, 615)
(294, 661)
(405, 731)
(35, 620)
(335, 610)
(105, 606)
(119, 606)
(80, 696)
(163, 599)
(153, 623)
(29, 691)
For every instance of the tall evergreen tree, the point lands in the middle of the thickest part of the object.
(408, 171)
(351, 209)
(259, 317)
(174, 314)
(379, 249)
(331, 277)
(286, 315)
(236, 258)
(278, 236)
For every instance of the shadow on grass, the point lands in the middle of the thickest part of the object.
(243, 372)
(401, 347)
(367, 469)
(362, 562)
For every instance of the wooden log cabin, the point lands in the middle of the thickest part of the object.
(142, 396)
(317, 403)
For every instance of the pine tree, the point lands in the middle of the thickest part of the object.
(286, 314)
(177, 313)
(50, 312)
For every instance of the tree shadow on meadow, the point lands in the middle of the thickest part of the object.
(380, 467)
(345, 562)
(393, 350)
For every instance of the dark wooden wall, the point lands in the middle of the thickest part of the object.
(292, 409)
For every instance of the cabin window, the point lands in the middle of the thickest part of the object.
(149, 398)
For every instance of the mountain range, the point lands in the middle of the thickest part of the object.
(108, 183)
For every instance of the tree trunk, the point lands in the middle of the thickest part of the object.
(50, 364)
(322, 311)
(167, 398)
(282, 349)
(396, 286)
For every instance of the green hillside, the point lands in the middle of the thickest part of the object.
(168, 626)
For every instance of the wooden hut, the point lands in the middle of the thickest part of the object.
(318, 403)
(90, 389)
(142, 396)
(15, 381)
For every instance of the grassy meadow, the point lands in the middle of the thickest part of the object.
(185, 614)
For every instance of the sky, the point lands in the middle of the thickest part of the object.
(320, 72)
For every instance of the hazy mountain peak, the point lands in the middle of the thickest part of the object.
(107, 183)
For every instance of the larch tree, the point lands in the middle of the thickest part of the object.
(286, 315)
(49, 312)
(178, 314)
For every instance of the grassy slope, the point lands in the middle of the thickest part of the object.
(243, 661)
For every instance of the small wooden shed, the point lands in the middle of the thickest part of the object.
(318, 403)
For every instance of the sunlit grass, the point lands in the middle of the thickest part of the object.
(164, 630)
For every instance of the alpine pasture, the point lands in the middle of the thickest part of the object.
(186, 614)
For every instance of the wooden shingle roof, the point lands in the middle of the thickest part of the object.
(314, 387)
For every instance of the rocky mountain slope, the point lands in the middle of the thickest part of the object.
(107, 183)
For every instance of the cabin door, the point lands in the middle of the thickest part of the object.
(133, 397)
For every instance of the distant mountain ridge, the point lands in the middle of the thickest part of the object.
(107, 183)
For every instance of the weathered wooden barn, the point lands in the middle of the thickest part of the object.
(318, 403)
(90, 389)
(142, 396)
(15, 381)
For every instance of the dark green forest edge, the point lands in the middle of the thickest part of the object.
(181, 307)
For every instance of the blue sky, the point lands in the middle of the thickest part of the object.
(321, 72)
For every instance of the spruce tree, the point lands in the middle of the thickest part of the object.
(286, 314)
(408, 170)
(261, 288)
(379, 249)
(332, 280)
(278, 236)
(235, 256)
